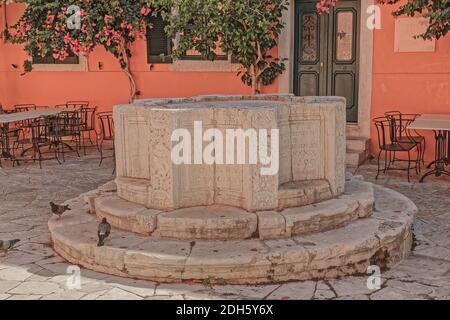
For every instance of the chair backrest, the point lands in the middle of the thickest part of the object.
(38, 129)
(106, 125)
(386, 131)
(401, 121)
(88, 117)
(77, 104)
(24, 107)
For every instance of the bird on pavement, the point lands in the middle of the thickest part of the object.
(58, 209)
(6, 245)
(104, 229)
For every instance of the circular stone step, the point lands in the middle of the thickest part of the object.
(218, 222)
(383, 239)
(302, 193)
(290, 194)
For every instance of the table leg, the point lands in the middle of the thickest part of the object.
(441, 155)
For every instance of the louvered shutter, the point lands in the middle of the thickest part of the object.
(158, 44)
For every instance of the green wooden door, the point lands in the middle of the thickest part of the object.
(326, 52)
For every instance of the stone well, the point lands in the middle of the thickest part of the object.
(230, 223)
(311, 148)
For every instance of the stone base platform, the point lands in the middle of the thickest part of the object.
(218, 222)
(290, 194)
(384, 239)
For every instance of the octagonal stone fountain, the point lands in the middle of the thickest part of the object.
(231, 223)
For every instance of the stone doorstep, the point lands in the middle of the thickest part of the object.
(357, 144)
(228, 223)
(383, 239)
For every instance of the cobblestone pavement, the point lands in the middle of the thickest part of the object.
(34, 271)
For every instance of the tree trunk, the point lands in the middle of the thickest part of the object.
(130, 77)
(127, 71)
(254, 80)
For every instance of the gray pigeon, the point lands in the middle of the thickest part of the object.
(6, 245)
(104, 229)
(58, 209)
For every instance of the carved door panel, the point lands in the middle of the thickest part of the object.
(326, 52)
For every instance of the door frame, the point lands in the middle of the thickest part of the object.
(286, 50)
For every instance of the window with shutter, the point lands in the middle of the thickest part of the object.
(159, 45)
(195, 55)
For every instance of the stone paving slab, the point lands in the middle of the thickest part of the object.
(77, 176)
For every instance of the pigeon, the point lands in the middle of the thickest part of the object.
(58, 209)
(104, 229)
(6, 245)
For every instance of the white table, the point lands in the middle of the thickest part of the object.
(29, 115)
(435, 116)
(6, 119)
(440, 125)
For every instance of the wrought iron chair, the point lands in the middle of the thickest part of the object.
(106, 134)
(8, 143)
(387, 129)
(69, 124)
(41, 137)
(403, 120)
(78, 105)
(88, 126)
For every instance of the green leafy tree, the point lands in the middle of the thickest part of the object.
(248, 30)
(61, 28)
(437, 12)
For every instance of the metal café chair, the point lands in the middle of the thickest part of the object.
(88, 126)
(69, 124)
(387, 130)
(8, 144)
(106, 134)
(403, 120)
(41, 139)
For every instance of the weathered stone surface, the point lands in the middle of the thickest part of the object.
(302, 193)
(294, 291)
(61, 182)
(225, 222)
(322, 216)
(361, 191)
(312, 135)
(271, 225)
(126, 215)
(346, 250)
(212, 222)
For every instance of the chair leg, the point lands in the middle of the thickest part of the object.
(101, 153)
(409, 163)
(378, 164)
(56, 152)
(418, 162)
(423, 151)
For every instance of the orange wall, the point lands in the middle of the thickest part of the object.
(409, 82)
(106, 87)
